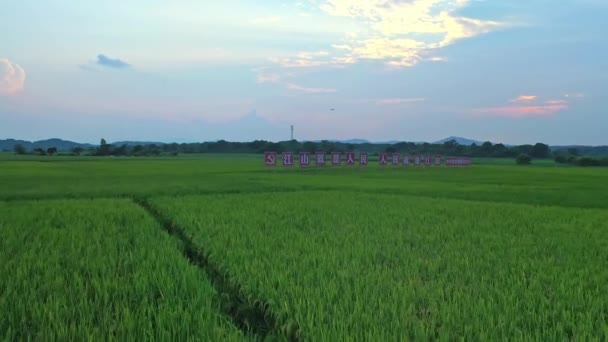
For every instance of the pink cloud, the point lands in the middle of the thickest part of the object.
(545, 110)
(524, 98)
(270, 78)
(276, 79)
(12, 77)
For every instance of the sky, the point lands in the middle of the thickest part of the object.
(507, 71)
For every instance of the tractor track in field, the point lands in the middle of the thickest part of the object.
(252, 316)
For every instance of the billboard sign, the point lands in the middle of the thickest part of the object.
(382, 159)
(304, 159)
(320, 159)
(395, 159)
(288, 159)
(350, 158)
(336, 158)
(270, 159)
(363, 159)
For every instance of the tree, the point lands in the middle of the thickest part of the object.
(523, 159)
(390, 149)
(487, 148)
(77, 150)
(19, 149)
(540, 151)
(40, 151)
(573, 151)
(587, 161)
(309, 146)
(104, 148)
(51, 150)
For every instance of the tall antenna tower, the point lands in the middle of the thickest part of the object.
(291, 132)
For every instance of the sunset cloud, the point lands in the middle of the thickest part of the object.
(524, 98)
(12, 77)
(525, 110)
(403, 32)
(276, 79)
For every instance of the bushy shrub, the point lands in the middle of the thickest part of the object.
(523, 159)
(561, 159)
(586, 161)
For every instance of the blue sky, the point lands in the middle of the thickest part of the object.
(417, 70)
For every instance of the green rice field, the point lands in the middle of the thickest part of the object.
(220, 248)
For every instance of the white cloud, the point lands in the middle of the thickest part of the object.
(297, 87)
(400, 33)
(575, 95)
(276, 79)
(12, 77)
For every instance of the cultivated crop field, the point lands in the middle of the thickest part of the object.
(221, 248)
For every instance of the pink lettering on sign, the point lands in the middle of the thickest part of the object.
(406, 160)
(363, 159)
(395, 159)
(382, 159)
(304, 159)
(350, 158)
(270, 159)
(288, 159)
(458, 161)
(320, 158)
(416, 160)
(336, 158)
(437, 160)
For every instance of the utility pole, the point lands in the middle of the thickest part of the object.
(291, 132)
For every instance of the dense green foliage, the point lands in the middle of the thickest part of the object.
(99, 270)
(485, 150)
(490, 252)
(581, 161)
(523, 159)
(390, 267)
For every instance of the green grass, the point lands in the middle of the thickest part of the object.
(128, 177)
(390, 267)
(495, 251)
(102, 269)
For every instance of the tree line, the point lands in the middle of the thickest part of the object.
(449, 148)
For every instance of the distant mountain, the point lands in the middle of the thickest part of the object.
(390, 142)
(135, 143)
(352, 141)
(61, 145)
(460, 141)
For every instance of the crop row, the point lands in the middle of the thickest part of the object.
(359, 266)
(100, 270)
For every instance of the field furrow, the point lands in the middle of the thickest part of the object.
(100, 270)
